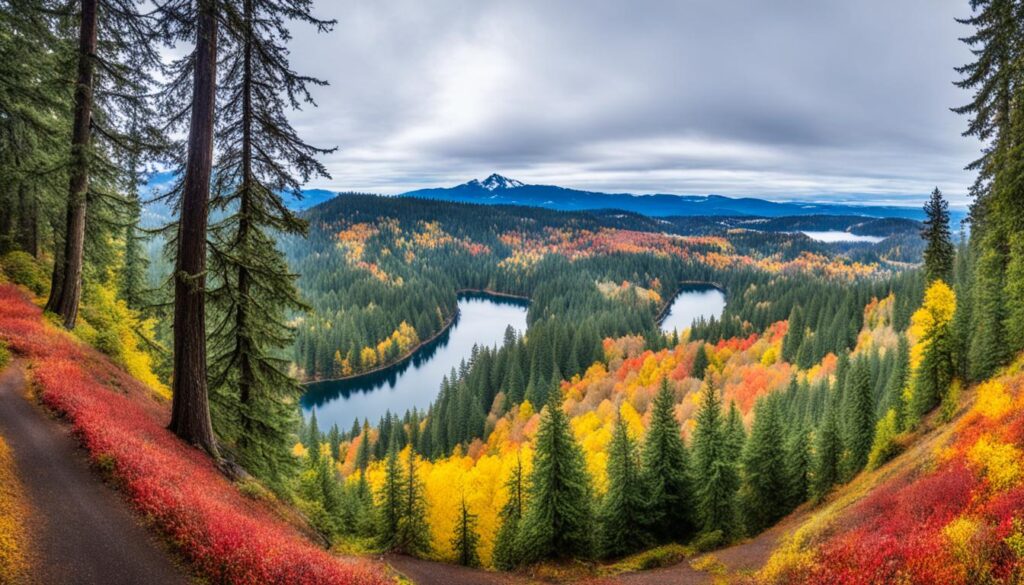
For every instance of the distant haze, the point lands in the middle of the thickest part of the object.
(786, 100)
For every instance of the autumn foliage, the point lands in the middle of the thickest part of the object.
(955, 518)
(226, 537)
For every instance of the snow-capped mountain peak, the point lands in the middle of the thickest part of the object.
(495, 182)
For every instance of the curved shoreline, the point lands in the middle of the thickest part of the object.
(658, 319)
(426, 342)
(663, 313)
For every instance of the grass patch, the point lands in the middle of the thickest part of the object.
(561, 571)
(708, 564)
(355, 546)
(662, 556)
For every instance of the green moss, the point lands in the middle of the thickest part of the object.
(21, 268)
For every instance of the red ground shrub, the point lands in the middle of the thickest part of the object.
(227, 537)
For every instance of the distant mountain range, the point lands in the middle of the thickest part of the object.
(499, 190)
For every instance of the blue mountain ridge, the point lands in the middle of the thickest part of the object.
(499, 190)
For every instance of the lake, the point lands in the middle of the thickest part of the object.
(692, 302)
(481, 320)
(832, 237)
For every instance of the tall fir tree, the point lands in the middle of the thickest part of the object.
(260, 156)
(859, 418)
(624, 507)
(766, 485)
(996, 120)
(715, 473)
(558, 522)
(828, 447)
(794, 335)
(506, 555)
(413, 537)
(115, 56)
(391, 503)
(193, 82)
(465, 540)
(700, 362)
(666, 467)
(939, 252)
(798, 465)
(35, 113)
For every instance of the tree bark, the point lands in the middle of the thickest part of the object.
(243, 345)
(67, 276)
(190, 410)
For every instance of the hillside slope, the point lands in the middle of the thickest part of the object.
(950, 509)
(225, 536)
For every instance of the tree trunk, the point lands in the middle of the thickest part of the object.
(243, 344)
(190, 410)
(67, 277)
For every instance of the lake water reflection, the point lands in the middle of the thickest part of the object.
(482, 321)
(692, 302)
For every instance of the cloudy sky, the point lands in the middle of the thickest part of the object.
(787, 99)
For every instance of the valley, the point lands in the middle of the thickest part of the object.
(751, 311)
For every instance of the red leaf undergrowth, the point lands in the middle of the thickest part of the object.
(226, 537)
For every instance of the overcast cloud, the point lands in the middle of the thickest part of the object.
(785, 99)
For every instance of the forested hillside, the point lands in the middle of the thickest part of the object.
(784, 390)
(381, 275)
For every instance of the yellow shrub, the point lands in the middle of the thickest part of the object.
(993, 400)
(119, 331)
(1001, 462)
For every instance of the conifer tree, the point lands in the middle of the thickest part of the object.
(115, 54)
(135, 262)
(666, 471)
(506, 556)
(700, 362)
(34, 113)
(465, 540)
(259, 157)
(391, 503)
(859, 415)
(892, 398)
(997, 210)
(413, 535)
(794, 335)
(319, 487)
(715, 474)
(766, 484)
(735, 433)
(194, 82)
(363, 452)
(963, 276)
(798, 466)
(558, 522)
(827, 452)
(624, 507)
(939, 252)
